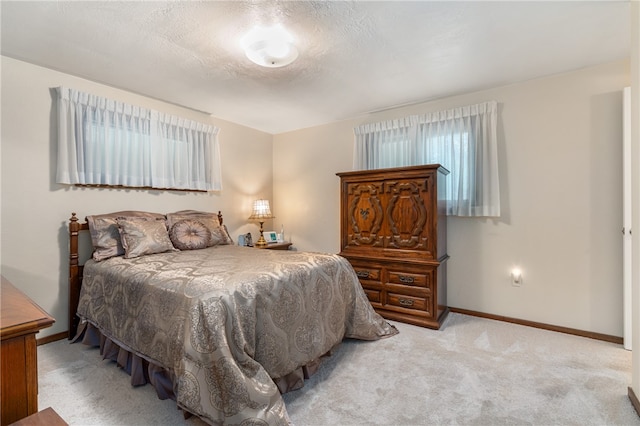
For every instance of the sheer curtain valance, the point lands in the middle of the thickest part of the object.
(463, 140)
(106, 142)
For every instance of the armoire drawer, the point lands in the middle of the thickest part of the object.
(410, 278)
(367, 273)
(421, 304)
(374, 295)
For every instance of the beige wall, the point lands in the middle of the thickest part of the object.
(560, 153)
(35, 210)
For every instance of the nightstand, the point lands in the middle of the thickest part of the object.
(276, 246)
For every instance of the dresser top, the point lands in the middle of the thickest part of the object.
(408, 170)
(19, 314)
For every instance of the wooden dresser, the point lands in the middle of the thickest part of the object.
(21, 319)
(393, 231)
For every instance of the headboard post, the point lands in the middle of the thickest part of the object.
(75, 274)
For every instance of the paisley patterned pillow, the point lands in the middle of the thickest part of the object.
(219, 234)
(143, 236)
(189, 234)
(105, 235)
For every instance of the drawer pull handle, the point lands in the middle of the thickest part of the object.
(362, 274)
(406, 280)
(406, 302)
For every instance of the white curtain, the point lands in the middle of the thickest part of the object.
(385, 144)
(190, 144)
(463, 140)
(105, 142)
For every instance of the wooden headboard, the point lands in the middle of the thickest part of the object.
(75, 270)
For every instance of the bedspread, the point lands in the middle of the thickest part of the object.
(228, 320)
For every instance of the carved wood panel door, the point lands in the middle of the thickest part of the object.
(410, 215)
(365, 214)
(391, 215)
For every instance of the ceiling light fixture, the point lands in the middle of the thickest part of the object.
(270, 47)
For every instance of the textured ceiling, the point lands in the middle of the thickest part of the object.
(355, 57)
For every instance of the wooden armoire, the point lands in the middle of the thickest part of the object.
(393, 231)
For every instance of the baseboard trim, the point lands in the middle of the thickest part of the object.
(52, 338)
(566, 330)
(634, 400)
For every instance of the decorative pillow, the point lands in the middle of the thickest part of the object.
(105, 235)
(172, 218)
(189, 234)
(142, 236)
(105, 238)
(225, 236)
(219, 234)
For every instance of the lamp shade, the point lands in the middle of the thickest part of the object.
(261, 210)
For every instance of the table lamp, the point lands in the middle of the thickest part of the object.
(261, 212)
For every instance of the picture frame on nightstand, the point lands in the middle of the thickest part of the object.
(270, 236)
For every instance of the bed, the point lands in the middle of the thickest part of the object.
(221, 329)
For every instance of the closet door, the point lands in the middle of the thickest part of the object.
(626, 217)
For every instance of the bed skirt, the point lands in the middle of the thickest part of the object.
(143, 370)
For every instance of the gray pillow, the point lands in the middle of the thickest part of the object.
(141, 236)
(105, 235)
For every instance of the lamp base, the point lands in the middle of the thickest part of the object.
(261, 241)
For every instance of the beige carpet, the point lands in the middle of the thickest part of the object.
(472, 372)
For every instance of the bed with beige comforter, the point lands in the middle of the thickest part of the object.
(231, 324)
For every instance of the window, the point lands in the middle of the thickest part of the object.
(105, 142)
(463, 140)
